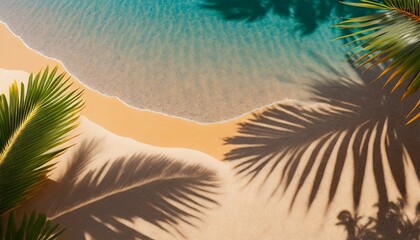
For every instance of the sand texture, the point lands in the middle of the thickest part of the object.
(110, 187)
(109, 112)
(288, 168)
(178, 58)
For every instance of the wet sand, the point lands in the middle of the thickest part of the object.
(109, 112)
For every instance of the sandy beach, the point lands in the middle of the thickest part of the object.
(145, 126)
(288, 172)
(108, 184)
(180, 60)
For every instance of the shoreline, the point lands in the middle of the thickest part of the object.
(225, 105)
(110, 112)
(62, 65)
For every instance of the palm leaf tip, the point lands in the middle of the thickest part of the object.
(34, 122)
(390, 35)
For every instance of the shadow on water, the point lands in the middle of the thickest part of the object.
(309, 14)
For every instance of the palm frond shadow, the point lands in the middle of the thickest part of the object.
(308, 14)
(351, 121)
(155, 188)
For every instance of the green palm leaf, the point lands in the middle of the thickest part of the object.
(34, 122)
(36, 227)
(392, 34)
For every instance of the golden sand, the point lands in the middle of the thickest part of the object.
(109, 112)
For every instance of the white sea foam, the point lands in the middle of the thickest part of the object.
(175, 57)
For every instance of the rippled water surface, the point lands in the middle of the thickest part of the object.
(177, 57)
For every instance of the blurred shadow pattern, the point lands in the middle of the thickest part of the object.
(349, 121)
(156, 188)
(392, 222)
(309, 14)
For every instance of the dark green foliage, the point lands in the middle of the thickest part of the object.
(36, 227)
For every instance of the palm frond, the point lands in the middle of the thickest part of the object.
(34, 123)
(350, 121)
(392, 34)
(36, 227)
(158, 189)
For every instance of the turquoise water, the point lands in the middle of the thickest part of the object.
(177, 57)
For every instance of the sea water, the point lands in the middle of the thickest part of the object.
(177, 57)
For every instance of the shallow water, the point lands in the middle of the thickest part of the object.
(177, 57)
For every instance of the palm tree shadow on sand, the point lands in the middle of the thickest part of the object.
(308, 14)
(357, 121)
(392, 222)
(158, 189)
